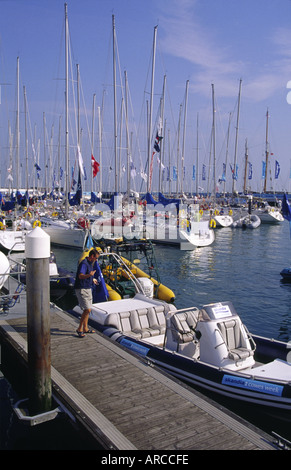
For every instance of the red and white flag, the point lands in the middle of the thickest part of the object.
(95, 166)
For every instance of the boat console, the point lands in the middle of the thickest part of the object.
(224, 341)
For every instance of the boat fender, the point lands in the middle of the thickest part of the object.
(36, 223)
(1, 226)
(230, 212)
(201, 212)
(212, 223)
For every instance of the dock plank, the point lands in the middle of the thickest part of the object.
(138, 407)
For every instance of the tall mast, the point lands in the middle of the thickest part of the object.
(227, 146)
(115, 105)
(184, 134)
(92, 144)
(151, 107)
(67, 113)
(213, 141)
(236, 138)
(17, 130)
(267, 150)
(26, 141)
(246, 166)
(197, 156)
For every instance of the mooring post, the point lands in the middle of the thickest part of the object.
(37, 252)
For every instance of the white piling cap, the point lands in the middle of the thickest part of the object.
(37, 244)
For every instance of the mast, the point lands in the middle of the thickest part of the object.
(267, 150)
(92, 144)
(115, 105)
(26, 142)
(184, 134)
(197, 156)
(151, 106)
(227, 146)
(236, 138)
(128, 151)
(163, 132)
(213, 142)
(67, 114)
(17, 130)
(246, 166)
(178, 151)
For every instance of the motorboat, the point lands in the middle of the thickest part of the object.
(207, 347)
(123, 278)
(248, 221)
(286, 274)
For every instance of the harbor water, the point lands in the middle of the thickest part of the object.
(241, 266)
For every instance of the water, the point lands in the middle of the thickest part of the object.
(242, 266)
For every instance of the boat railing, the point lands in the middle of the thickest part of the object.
(137, 284)
(10, 293)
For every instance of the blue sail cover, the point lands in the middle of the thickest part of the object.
(6, 205)
(286, 209)
(76, 199)
(165, 201)
(94, 198)
(149, 199)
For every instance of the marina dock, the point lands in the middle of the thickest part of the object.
(123, 402)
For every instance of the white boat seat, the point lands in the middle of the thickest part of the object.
(140, 323)
(233, 338)
(183, 326)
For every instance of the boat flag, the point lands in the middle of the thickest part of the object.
(250, 171)
(80, 161)
(277, 169)
(286, 210)
(95, 166)
(156, 149)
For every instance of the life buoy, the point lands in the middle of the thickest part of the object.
(216, 212)
(212, 223)
(28, 214)
(36, 223)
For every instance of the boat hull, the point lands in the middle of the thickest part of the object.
(270, 395)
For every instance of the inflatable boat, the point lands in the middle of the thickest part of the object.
(208, 347)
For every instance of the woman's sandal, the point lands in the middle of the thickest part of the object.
(89, 331)
(80, 334)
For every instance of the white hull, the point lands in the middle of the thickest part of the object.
(13, 240)
(199, 236)
(63, 234)
(223, 220)
(272, 216)
(251, 221)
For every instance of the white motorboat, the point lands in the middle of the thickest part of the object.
(207, 347)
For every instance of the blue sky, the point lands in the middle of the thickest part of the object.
(204, 42)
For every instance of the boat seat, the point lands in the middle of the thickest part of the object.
(234, 340)
(140, 323)
(183, 326)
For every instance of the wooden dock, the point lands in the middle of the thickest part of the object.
(123, 402)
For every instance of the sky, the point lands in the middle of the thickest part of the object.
(206, 51)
